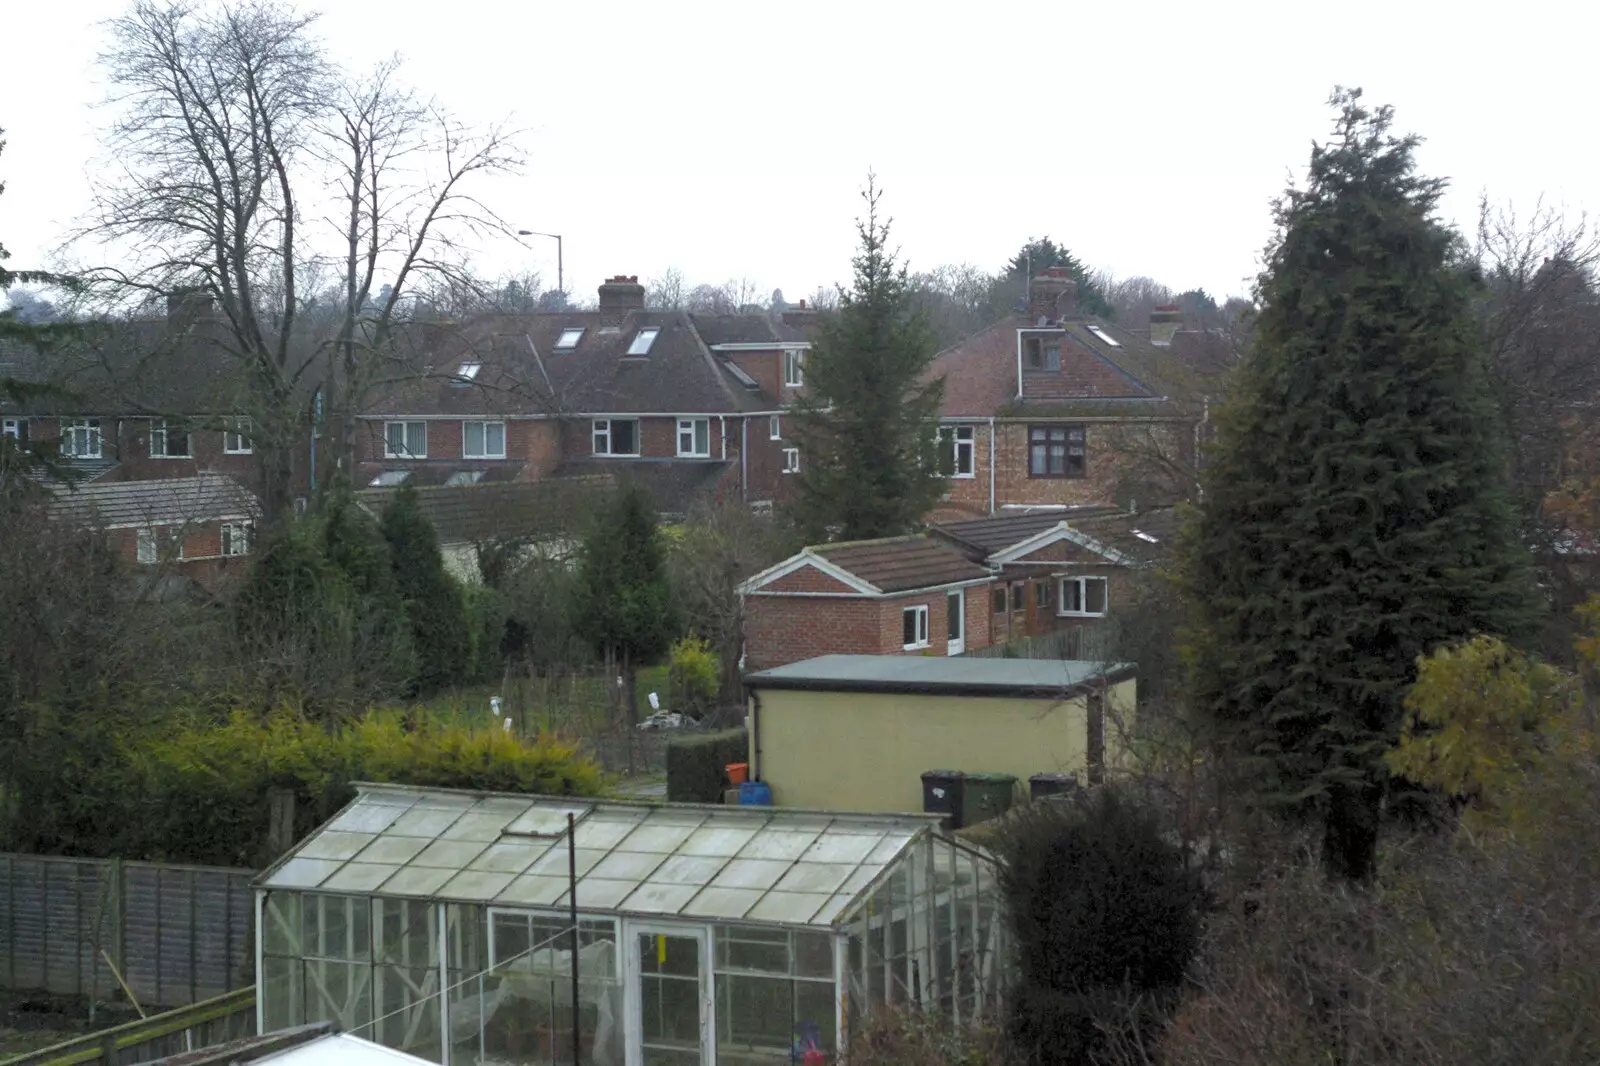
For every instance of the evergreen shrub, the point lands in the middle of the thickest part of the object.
(696, 762)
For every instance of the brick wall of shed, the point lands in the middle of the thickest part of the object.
(787, 629)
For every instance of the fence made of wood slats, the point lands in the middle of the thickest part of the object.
(177, 934)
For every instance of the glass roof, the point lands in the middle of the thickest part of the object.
(730, 863)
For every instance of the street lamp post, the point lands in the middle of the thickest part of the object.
(561, 280)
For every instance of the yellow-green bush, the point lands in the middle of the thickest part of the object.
(200, 788)
(693, 673)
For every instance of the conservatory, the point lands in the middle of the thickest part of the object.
(444, 924)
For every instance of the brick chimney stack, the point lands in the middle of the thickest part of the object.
(1053, 295)
(1164, 324)
(620, 295)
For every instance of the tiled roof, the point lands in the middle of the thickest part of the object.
(468, 514)
(901, 564)
(523, 372)
(1144, 536)
(675, 486)
(989, 535)
(1097, 378)
(167, 502)
(747, 329)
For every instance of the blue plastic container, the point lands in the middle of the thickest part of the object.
(755, 794)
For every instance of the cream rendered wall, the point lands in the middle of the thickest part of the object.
(863, 751)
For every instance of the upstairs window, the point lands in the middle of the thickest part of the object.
(774, 428)
(236, 437)
(483, 440)
(405, 440)
(957, 451)
(15, 428)
(914, 627)
(643, 340)
(81, 439)
(236, 537)
(1083, 597)
(146, 552)
(616, 436)
(168, 440)
(1040, 353)
(1056, 451)
(794, 369)
(694, 438)
(791, 460)
(569, 339)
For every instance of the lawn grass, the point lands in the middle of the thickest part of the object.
(572, 706)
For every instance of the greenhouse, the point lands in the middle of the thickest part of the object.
(442, 923)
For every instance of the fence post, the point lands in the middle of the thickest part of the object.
(280, 824)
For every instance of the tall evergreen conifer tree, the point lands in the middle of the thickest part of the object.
(623, 605)
(1355, 515)
(1032, 261)
(868, 426)
(438, 613)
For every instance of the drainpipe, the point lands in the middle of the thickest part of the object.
(744, 458)
(722, 432)
(755, 735)
(1205, 417)
(992, 452)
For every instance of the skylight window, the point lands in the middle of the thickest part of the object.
(464, 477)
(390, 478)
(1142, 535)
(468, 371)
(1103, 335)
(569, 339)
(643, 340)
(740, 376)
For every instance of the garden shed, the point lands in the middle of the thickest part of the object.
(441, 923)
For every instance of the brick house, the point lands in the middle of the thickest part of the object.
(687, 405)
(915, 595)
(957, 588)
(200, 526)
(1053, 408)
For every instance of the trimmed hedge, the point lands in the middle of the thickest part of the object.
(695, 764)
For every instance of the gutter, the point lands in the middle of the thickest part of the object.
(1088, 685)
(993, 452)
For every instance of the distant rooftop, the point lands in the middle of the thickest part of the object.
(939, 675)
(1002, 531)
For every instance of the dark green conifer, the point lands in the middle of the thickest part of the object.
(440, 635)
(1355, 513)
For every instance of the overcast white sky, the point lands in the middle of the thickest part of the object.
(730, 139)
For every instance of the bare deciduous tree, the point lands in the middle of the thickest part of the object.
(232, 129)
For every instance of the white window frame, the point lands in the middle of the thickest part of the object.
(604, 431)
(233, 538)
(643, 341)
(961, 439)
(774, 427)
(1080, 586)
(791, 460)
(145, 551)
(920, 611)
(693, 429)
(405, 451)
(93, 442)
(483, 451)
(570, 338)
(794, 368)
(15, 428)
(236, 437)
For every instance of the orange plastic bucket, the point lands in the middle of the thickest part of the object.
(737, 772)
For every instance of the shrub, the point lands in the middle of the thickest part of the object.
(1105, 918)
(198, 791)
(693, 674)
(432, 597)
(695, 764)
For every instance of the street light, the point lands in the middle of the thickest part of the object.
(561, 281)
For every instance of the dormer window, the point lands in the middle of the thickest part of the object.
(467, 372)
(643, 340)
(794, 369)
(569, 339)
(1041, 353)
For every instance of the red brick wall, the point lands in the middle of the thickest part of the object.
(787, 629)
(765, 367)
(808, 579)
